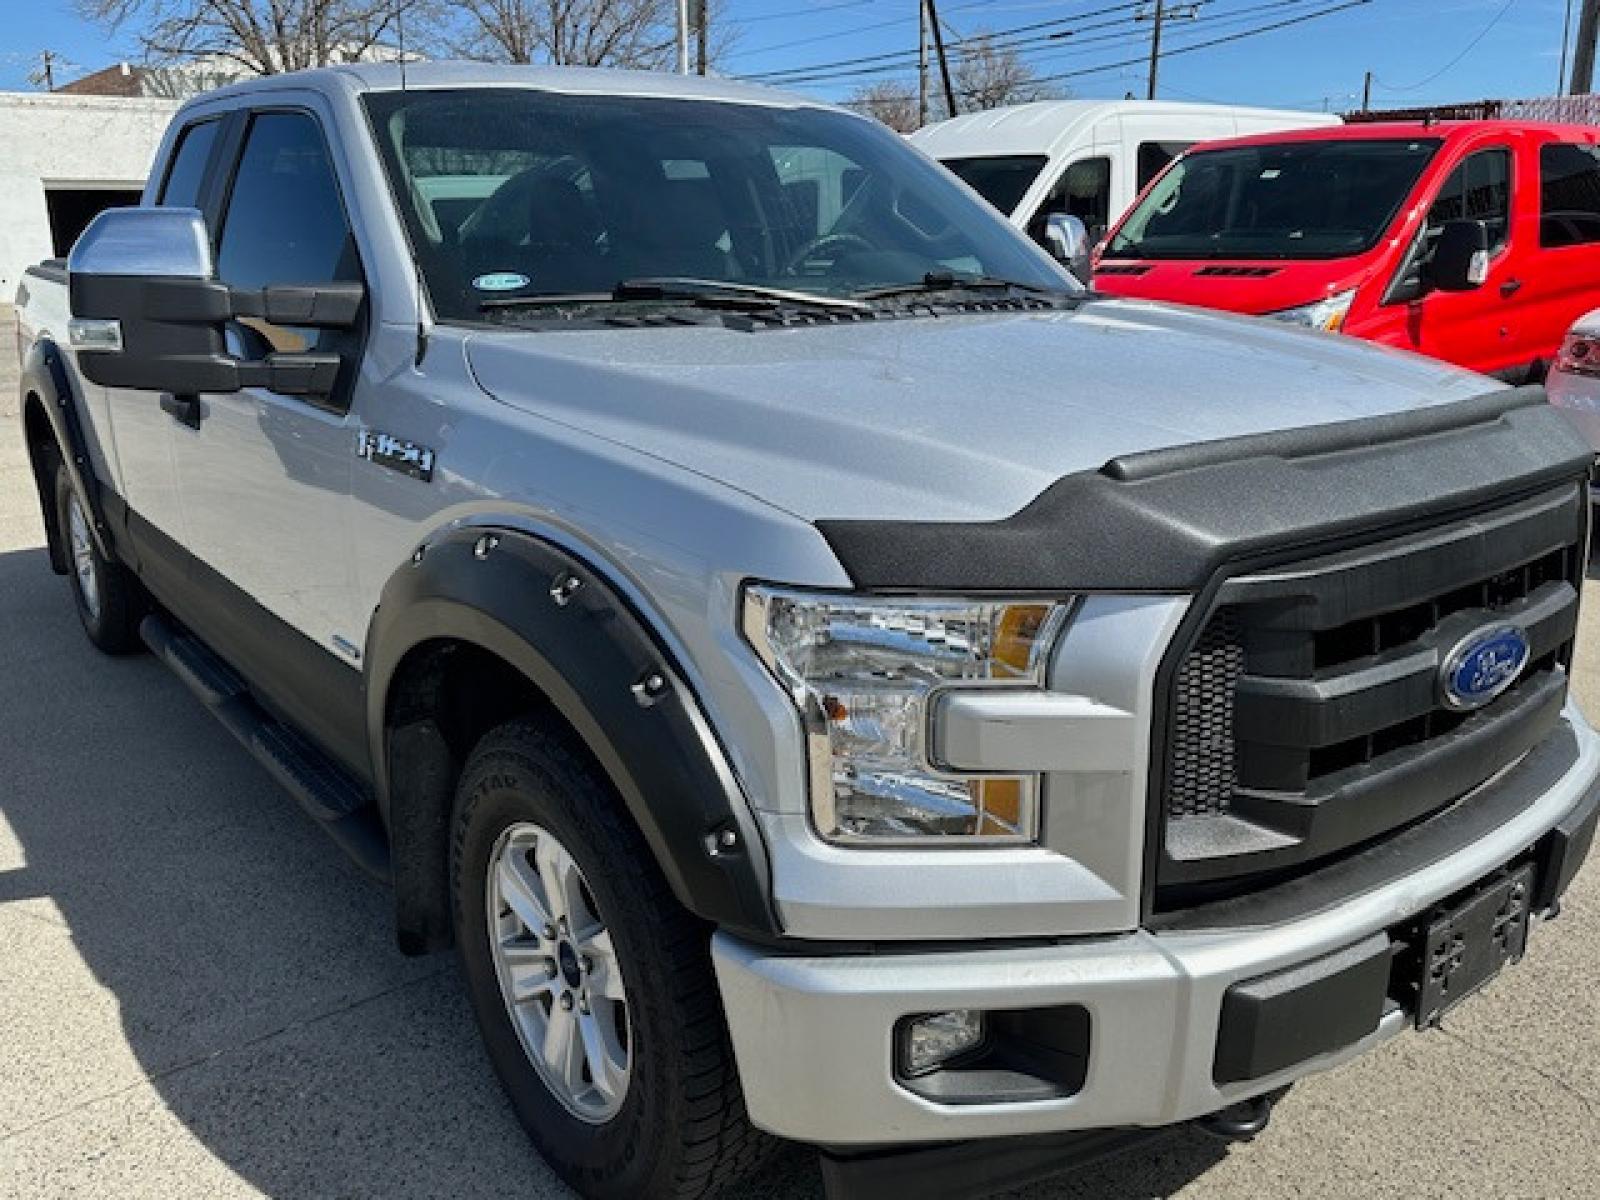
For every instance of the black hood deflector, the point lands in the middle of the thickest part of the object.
(1169, 520)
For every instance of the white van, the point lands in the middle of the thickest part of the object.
(1084, 158)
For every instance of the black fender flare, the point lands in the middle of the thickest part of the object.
(44, 374)
(560, 623)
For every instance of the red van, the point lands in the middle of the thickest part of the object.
(1475, 242)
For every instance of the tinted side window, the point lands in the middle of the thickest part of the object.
(1477, 190)
(284, 222)
(1084, 190)
(1154, 157)
(188, 170)
(1569, 195)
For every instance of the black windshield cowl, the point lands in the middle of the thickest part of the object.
(943, 281)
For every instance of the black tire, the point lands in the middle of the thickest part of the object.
(111, 615)
(681, 1130)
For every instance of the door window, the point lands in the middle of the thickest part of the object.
(188, 170)
(1154, 157)
(1477, 190)
(285, 224)
(1084, 191)
(1569, 195)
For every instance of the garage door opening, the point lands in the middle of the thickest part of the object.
(71, 210)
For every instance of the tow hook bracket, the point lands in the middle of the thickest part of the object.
(1242, 1121)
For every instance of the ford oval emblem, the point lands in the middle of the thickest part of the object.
(1482, 665)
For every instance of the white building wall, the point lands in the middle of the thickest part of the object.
(66, 141)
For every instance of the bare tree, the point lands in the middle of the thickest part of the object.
(583, 33)
(895, 104)
(990, 76)
(262, 37)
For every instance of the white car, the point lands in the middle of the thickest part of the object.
(1574, 382)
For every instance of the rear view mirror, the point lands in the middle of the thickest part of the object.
(1068, 240)
(148, 312)
(1460, 259)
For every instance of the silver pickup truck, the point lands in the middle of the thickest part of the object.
(827, 675)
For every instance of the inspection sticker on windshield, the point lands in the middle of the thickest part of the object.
(501, 281)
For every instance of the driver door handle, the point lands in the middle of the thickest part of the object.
(1510, 288)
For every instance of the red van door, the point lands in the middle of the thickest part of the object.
(1478, 329)
(1563, 283)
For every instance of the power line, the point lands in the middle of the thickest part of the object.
(996, 38)
(1470, 47)
(1193, 47)
(836, 34)
(1120, 31)
(808, 11)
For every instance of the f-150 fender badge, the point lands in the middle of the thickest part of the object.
(397, 454)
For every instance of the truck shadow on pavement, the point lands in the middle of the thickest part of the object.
(271, 1037)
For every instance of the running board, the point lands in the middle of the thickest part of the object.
(328, 793)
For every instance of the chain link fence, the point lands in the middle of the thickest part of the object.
(1570, 110)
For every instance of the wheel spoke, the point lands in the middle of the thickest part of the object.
(529, 969)
(520, 892)
(607, 1074)
(559, 875)
(604, 978)
(563, 1048)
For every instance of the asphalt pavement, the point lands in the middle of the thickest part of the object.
(199, 997)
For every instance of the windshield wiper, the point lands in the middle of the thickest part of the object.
(705, 293)
(719, 291)
(949, 281)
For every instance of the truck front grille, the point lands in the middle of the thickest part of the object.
(1305, 711)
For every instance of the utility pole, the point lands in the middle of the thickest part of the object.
(944, 61)
(702, 19)
(1366, 93)
(1583, 51)
(45, 72)
(1159, 19)
(1566, 47)
(922, 62)
(683, 37)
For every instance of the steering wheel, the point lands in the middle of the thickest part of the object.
(810, 250)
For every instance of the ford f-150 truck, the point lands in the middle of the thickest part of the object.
(826, 674)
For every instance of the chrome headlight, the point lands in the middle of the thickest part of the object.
(1327, 315)
(865, 673)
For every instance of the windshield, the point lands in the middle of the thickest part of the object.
(1323, 199)
(1001, 180)
(509, 194)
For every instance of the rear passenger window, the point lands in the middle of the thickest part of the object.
(1477, 190)
(1084, 190)
(188, 169)
(1569, 195)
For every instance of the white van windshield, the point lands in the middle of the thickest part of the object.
(1002, 180)
(1309, 199)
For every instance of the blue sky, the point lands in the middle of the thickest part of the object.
(1418, 50)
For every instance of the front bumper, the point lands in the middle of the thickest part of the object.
(813, 1033)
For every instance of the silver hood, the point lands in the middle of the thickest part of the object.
(950, 418)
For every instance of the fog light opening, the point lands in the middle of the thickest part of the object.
(938, 1039)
